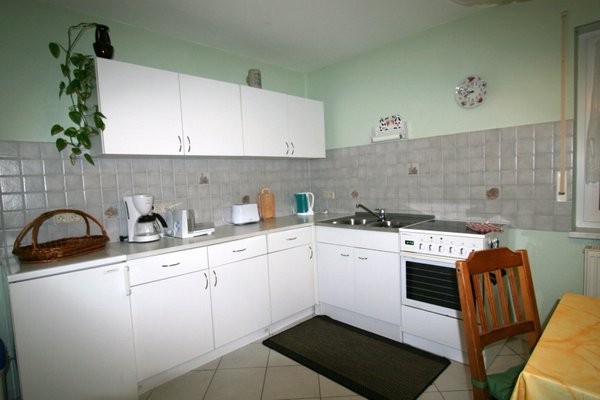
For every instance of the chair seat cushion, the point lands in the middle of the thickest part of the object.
(501, 385)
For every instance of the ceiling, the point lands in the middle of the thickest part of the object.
(301, 35)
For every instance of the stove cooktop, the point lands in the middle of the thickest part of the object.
(442, 226)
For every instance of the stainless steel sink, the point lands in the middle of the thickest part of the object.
(392, 223)
(351, 221)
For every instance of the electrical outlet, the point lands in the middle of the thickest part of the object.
(67, 218)
(329, 195)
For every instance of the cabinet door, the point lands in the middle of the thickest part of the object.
(377, 284)
(240, 299)
(212, 117)
(291, 281)
(73, 336)
(336, 275)
(142, 109)
(172, 322)
(264, 122)
(306, 127)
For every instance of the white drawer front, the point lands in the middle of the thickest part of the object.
(163, 266)
(376, 240)
(236, 250)
(288, 239)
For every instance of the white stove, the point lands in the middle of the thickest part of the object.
(431, 317)
(450, 239)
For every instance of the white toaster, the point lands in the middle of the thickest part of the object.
(244, 214)
(182, 224)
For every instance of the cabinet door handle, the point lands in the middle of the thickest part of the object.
(293, 148)
(216, 279)
(287, 146)
(292, 238)
(127, 281)
(189, 144)
(311, 252)
(362, 258)
(180, 143)
(239, 250)
(170, 265)
(206, 279)
(344, 255)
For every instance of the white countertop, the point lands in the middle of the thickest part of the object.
(116, 252)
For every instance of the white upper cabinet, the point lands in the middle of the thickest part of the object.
(264, 120)
(212, 117)
(306, 127)
(142, 108)
(155, 112)
(279, 125)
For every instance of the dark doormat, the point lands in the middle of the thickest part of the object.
(368, 364)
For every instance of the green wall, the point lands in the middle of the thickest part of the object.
(29, 103)
(556, 264)
(516, 48)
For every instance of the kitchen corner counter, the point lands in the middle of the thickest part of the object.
(116, 252)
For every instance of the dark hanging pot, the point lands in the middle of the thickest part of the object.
(102, 46)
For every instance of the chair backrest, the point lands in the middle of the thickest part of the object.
(497, 301)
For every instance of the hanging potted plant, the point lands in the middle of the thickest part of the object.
(78, 83)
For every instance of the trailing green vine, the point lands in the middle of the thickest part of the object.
(79, 75)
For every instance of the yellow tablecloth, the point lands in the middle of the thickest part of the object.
(565, 364)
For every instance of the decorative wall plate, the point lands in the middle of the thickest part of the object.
(471, 91)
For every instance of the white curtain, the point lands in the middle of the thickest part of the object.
(592, 152)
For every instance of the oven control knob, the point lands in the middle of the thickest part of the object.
(461, 251)
(430, 247)
(440, 249)
(420, 246)
(450, 250)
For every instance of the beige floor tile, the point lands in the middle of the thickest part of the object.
(502, 363)
(291, 382)
(235, 384)
(430, 396)
(455, 377)
(250, 356)
(344, 398)
(191, 386)
(458, 395)
(330, 388)
(279, 360)
(519, 345)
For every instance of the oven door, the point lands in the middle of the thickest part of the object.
(429, 283)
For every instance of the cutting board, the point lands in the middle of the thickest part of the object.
(266, 203)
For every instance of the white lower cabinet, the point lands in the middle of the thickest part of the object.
(239, 288)
(360, 280)
(240, 299)
(73, 335)
(377, 284)
(172, 322)
(291, 272)
(335, 265)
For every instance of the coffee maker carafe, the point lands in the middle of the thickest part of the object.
(142, 223)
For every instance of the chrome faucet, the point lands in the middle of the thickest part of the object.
(380, 214)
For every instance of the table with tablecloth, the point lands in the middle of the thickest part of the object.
(565, 364)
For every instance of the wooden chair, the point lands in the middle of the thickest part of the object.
(498, 302)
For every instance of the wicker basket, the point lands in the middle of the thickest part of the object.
(61, 248)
